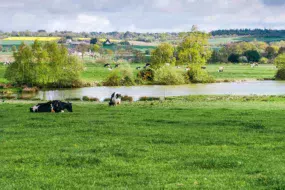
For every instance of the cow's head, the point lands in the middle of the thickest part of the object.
(118, 96)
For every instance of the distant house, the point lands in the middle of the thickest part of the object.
(107, 43)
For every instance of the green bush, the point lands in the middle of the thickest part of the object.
(263, 60)
(149, 98)
(242, 59)
(121, 76)
(280, 63)
(168, 76)
(72, 99)
(127, 98)
(90, 99)
(146, 75)
(198, 75)
(280, 74)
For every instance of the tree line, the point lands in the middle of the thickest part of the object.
(244, 52)
(248, 32)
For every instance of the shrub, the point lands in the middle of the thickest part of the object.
(146, 75)
(8, 97)
(121, 76)
(280, 63)
(30, 90)
(127, 98)
(198, 75)
(280, 74)
(85, 98)
(168, 76)
(263, 60)
(149, 98)
(234, 58)
(242, 59)
(252, 55)
(72, 99)
(90, 99)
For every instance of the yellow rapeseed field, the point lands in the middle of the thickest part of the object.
(32, 38)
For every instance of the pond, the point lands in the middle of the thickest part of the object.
(235, 88)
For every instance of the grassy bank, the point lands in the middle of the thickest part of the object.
(205, 142)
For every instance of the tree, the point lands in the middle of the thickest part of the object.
(1, 48)
(93, 41)
(252, 55)
(281, 50)
(138, 56)
(280, 64)
(162, 54)
(242, 59)
(194, 49)
(95, 48)
(270, 52)
(234, 58)
(147, 52)
(14, 48)
(263, 60)
(280, 61)
(44, 65)
(82, 48)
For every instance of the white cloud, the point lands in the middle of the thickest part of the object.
(143, 15)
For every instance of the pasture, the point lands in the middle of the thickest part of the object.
(195, 142)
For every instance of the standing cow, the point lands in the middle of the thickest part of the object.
(115, 99)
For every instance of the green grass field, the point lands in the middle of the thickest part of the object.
(184, 143)
(238, 72)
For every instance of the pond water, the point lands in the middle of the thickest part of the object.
(235, 88)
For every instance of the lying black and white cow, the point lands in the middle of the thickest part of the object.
(115, 99)
(52, 106)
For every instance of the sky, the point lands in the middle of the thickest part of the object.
(140, 15)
